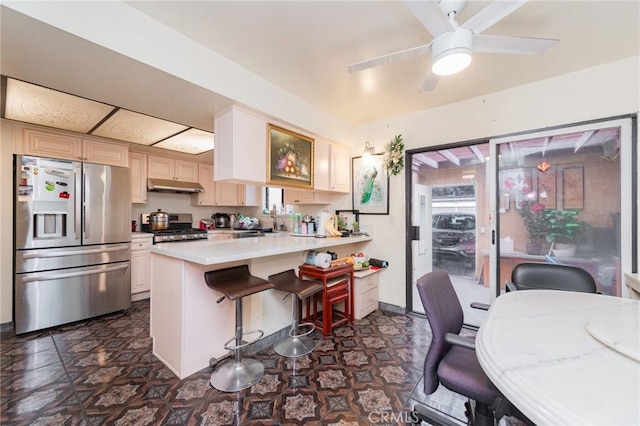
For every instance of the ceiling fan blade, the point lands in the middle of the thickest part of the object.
(430, 16)
(492, 14)
(510, 44)
(429, 83)
(385, 59)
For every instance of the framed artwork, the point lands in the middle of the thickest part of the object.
(289, 158)
(369, 185)
(514, 184)
(573, 188)
(547, 188)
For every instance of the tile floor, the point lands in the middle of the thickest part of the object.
(102, 371)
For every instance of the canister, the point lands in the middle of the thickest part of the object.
(321, 260)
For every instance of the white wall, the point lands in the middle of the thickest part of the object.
(604, 91)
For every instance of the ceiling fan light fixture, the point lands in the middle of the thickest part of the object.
(451, 62)
(451, 52)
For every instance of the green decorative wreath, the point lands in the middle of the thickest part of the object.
(394, 156)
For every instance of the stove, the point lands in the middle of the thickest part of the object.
(180, 229)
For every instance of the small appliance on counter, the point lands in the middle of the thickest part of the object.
(179, 228)
(221, 220)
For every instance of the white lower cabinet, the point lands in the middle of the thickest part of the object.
(365, 293)
(141, 264)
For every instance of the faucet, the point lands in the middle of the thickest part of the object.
(274, 214)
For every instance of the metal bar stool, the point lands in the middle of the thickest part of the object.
(298, 343)
(236, 283)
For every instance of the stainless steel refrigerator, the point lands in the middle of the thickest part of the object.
(72, 237)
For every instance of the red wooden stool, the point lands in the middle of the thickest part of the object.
(338, 287)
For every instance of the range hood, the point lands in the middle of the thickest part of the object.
(175, 186)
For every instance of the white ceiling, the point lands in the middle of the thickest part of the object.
(304, 46)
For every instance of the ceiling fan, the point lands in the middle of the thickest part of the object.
(452, 44)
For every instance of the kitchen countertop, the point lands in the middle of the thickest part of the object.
(184, 308)
(135, 235)
(223, 251)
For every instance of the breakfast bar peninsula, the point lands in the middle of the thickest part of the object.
(188, 326)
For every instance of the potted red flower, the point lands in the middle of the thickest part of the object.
(536, 221)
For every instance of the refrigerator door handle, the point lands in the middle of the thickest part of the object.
(75, 274)
(36, 255)
(79, 200)
(85, 206)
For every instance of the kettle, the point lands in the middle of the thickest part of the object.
(158, 221)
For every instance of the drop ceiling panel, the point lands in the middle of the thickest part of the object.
(193, 141)
(137, 128)
(38, 105)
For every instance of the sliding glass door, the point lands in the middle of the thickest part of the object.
(564, 196)
(449, 213)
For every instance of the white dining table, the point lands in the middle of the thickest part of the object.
(565, 358)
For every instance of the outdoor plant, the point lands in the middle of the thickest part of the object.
(536, 219)
(565, 227)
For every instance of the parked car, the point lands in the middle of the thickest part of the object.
(454, 238)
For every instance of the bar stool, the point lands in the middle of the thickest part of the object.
(298, 343)
(236, 283)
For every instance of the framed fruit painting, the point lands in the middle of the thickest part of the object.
(289, 158)
(370, 185)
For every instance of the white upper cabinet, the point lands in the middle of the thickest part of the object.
(249, 195)
(332, 167)
(169, 168)
(103, 152)
(240, 147)
(205, 178)
(339, 169)
(305, 196)
(321, 165)
(138, 174)
(223, 193)
(241, 154)
(65, 146)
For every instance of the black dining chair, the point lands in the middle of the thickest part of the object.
(549, 276)
(451, 359)
(546, 276)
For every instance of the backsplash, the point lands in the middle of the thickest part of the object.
(181, 203)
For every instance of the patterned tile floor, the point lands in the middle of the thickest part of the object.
(102, 372)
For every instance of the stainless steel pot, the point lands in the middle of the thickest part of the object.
(158, 221)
